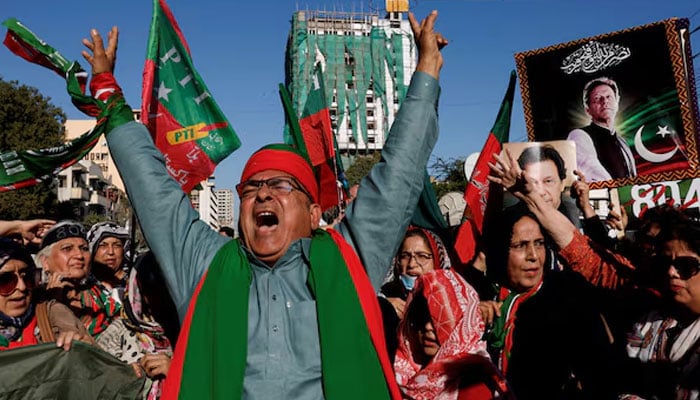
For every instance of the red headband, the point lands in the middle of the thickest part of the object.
(285, 161)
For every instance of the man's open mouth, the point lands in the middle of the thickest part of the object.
(266, 218)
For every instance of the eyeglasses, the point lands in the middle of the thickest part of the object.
(686, 266)
(420, 256)
(9, 281)
(278, 186)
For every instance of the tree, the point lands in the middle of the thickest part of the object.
(360, 167)
(28, 121)
(449, 176)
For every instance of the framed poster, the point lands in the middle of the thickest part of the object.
(627, 99)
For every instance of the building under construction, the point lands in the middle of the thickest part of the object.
(367, 63)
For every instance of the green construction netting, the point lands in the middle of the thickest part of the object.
(353, 63)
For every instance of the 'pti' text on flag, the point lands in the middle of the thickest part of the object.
(186, 123)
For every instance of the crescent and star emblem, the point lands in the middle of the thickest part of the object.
(648, 154)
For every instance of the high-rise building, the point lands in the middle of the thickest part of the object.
(367, 66)
(224, 203)
(205, 202)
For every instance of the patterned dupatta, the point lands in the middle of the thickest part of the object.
(661, 339)
(453, 307)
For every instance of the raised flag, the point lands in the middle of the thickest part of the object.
(477, 194)
(186, 123)
(314, 136)
(19, 169)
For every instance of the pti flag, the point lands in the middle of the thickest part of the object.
(313, 135)
(25, 168)
(477, 193)
(186, 123)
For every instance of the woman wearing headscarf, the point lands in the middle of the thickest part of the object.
(441, 352)
(110, 254)
(24, 322)
(64, 256)
(421, 251)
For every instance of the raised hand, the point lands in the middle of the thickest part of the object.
(429, 44)
(101, 59)
(506, 172)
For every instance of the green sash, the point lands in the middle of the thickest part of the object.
(215, 355)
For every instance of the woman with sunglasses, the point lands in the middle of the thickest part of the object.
(21, 321)
(665, 344)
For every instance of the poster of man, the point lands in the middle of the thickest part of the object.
(551, 166)
(625, 98)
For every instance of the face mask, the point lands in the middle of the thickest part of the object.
(408, 281)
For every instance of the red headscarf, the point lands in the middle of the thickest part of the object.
(454, 311)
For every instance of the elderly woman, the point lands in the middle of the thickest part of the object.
(64, 256)
(441, 353)
(23, 322)
(549, 317)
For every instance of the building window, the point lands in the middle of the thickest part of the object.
(350, 85)
(370, 126)
(371, 139)
(370, 113)
(369, 99)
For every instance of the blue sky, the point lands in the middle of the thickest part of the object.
(238, 49)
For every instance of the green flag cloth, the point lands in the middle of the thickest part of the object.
(186, 123)
(45, 371)
(25, 168)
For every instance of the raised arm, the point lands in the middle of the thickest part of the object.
(377, 219)
(183, 245)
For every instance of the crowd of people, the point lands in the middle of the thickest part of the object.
(369, 307)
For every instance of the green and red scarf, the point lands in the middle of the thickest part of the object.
(501, 336)
(210, 357)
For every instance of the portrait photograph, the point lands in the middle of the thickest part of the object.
(550, 164)
(625, 99)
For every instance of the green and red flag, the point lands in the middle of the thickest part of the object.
(186, 123)
(313, 135)
(477, 193)
(19, 169)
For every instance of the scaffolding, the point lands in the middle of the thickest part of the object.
(367, 63)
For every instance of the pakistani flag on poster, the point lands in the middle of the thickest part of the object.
(186, 123)
(477, 194)
(19, 169)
